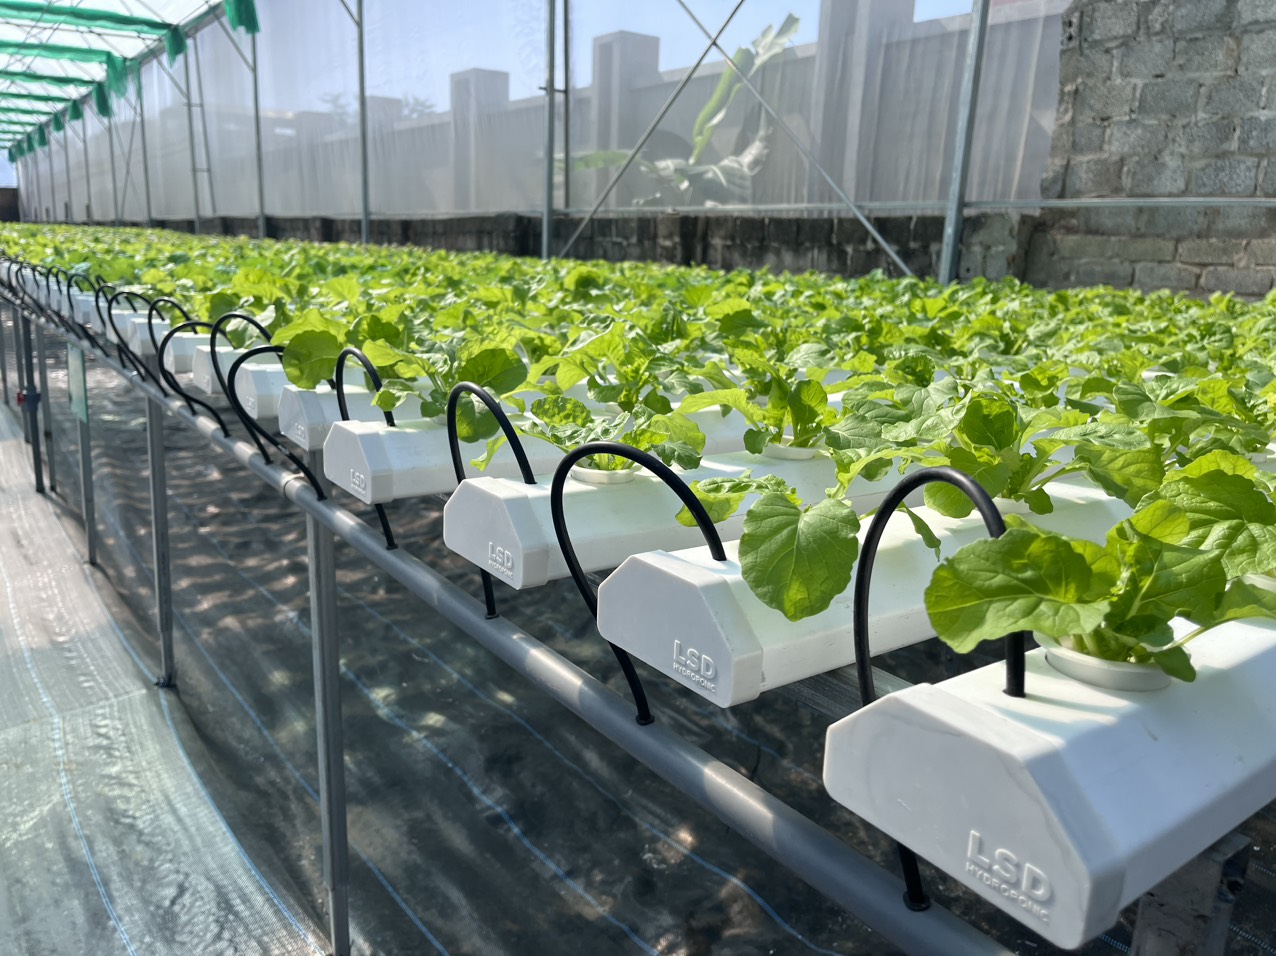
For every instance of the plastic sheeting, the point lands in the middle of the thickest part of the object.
(865, 96)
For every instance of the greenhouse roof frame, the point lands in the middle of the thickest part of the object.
(63, 54)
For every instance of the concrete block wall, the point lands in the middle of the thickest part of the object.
(1163, 98)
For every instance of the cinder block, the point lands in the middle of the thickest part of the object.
(1201, 16)
(1181, 223)
(1257, 135)
(1262, 252)
(1240, 281)
(1088, 138)
(1258, 51)
(1251, 12)
(849, 231)
(1085, 247)
(1094, 177)
(1110, 20)
(1238, 95)
(1156, 178)
(1145, 59)
(1134, 138)
(1146, 249)
(1091, 63)
(1226, 177)
(1174, 97)
(1120, 221)
(1215, 55)
(1104, 272)
(1210, 251)
(1104, 99)
(1150, 276)
(1242, 222)
(1208, 137)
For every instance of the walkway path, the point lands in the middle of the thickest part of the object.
(109, 840)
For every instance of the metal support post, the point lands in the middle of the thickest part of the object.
(43, 366)
(66, 157)
(321, 552)
(39, 189)
(20, 365)
(365, 227)
(115, 192)
(965, 133)
(567, 104)
(31, 401)
(4, 362)
(87, 505)
(78, 387)
(159, 541)
(88, 178)
(53, 185)
(261, 176)
(190, 133)
(146, 163)
(551, 103)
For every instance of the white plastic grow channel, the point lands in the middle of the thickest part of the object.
(204, 379)
(123, 319)
(306, 415)
(259, 386)
(1064, 806)
(80, 306)
(378, 463)
(504, 525)
(179, 355)
(137, 335)
(694, 618)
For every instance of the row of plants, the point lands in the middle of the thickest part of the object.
(1163, 401)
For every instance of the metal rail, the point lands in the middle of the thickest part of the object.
(825, 862)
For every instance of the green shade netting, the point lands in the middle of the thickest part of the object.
(75, 111)
(13, 155)
(8, 110)
(33, 97)
(56, 13)
(28, 143)
(242, 14)
(101, 100)
(116, 72)
(59, 124)
(25, 76)
(41, 137)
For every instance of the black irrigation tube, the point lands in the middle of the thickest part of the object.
(841, 873)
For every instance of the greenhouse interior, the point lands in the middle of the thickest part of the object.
(419, 418)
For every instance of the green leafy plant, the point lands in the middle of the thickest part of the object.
(1113, 601)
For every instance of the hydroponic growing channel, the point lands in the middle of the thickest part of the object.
(725, 441)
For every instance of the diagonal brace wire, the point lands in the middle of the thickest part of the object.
(642, 140)
(802, 147)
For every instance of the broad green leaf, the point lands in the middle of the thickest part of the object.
(1241, 601)
(722, 497)
(562, 410)
(500, 371)
(394, 362)
(311, 357)
(1024, 580)
(723, 398)
(311, 320)
(798, 560)
(1128, 474)
(1229, 514)
(1219, 460)
(393, 393)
